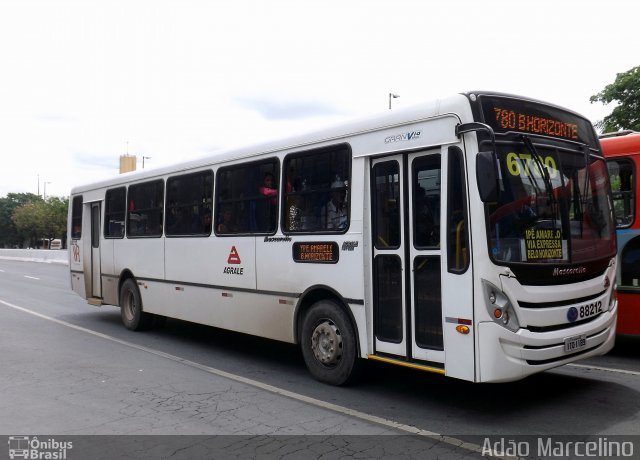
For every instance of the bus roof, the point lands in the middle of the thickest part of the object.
(336, 133)
(627, 144)
(453, 104)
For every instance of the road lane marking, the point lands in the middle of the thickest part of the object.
(458, 443)
(31, 277)
(604, 369)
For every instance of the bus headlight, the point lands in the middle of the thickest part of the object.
(614, 296)
(499, 307)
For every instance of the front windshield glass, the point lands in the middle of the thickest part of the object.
(563, 215)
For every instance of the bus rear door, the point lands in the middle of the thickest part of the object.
(95, 278)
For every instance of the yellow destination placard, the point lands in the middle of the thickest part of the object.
(543, 244)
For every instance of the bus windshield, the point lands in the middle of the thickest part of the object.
(554, 205)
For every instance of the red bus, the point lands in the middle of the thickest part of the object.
(622, 151)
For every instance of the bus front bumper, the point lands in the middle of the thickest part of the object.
(506, 356)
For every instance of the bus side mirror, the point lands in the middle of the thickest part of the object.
(487, 177)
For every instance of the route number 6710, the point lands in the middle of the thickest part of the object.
(517, 163)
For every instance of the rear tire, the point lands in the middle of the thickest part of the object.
(328, 343)
(133, 317)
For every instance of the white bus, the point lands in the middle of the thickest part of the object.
(472, 236)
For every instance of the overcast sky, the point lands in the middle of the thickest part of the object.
(83, 82)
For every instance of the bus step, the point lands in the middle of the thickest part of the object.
(96, 301)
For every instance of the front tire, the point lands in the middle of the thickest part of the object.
(329, 343)
(131, 312)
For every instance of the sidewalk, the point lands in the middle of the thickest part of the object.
(55, 256)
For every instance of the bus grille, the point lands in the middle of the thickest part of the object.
(558, 327)
(598, 337)
(560, 358)
(561, 303)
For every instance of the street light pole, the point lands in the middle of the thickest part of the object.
(394, 96)
(143, 158)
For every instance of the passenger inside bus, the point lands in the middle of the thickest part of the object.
(206, 221)
(177, 223)
(334, 215)
(268, 187)
(228, 224)
(294, 215)
(263, 212)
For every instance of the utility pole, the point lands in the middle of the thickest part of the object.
(392, 96)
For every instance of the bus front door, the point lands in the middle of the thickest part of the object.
(411, 280)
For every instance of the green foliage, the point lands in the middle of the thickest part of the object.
(25, 216)
(42, 219)
(9, 234)
(625, 90)
(616, 183)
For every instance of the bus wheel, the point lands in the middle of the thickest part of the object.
(329, 343)
(133, 317)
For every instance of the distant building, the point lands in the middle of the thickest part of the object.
(127, 163)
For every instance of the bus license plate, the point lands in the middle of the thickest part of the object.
(574, 343)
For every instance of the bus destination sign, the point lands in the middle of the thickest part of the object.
(316, 252)
(513, 115)
(512, 120)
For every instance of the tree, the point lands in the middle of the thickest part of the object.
(42, 219)
(625, 90)
(9, 235)
(56, 218)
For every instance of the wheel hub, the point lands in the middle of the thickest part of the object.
(129, 306)
(326, 343)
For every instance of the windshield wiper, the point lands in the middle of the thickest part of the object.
(584, 197)
(546, 179)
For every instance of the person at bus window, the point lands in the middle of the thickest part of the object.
(206, 222)
(334, 213)
(264, 211)
(291, 180)
(268, 187)
(201, 222)
(176, 220)
(228, 222)
(309, 215)
(294, 215)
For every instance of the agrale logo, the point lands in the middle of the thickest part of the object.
(233, 259)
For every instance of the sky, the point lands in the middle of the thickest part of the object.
(83, 82)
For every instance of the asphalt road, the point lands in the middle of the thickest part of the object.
(67, 368)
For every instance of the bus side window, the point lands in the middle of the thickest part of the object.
(114, 214)
(630, 260)
(247, 198)
(386, 202)
(426, 206)
(622, 177)
(146, 204)
(76, 218)
(316, 194)
(457, 216)
(189, 200)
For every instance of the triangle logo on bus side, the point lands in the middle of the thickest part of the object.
(234, 257)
